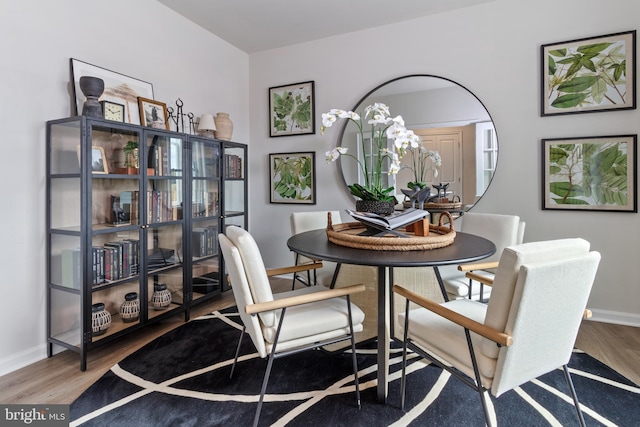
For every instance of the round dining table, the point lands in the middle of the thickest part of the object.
(465, 248)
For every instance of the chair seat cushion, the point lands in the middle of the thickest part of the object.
(301, 325)
(459, 286)
(447, 340)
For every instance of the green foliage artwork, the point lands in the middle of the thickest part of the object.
(291, 109)
(590, 173)
(292, 177)
(589, 74)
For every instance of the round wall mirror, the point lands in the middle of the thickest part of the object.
(449, 118)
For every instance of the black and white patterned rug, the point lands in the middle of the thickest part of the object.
(182, 379)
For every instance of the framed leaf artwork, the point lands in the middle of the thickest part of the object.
(292, 109)
(589, 74)
(596, 173)
(292, 178)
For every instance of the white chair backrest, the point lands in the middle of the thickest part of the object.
(548, 302)
(241, 292)
(502, 230)
(307, 221)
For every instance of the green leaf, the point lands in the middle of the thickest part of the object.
(570, 100)
(578, 84)
(558, 52)
(593, 49)
(570, 201)
(552, 66)
(598, 91)
(565, 189)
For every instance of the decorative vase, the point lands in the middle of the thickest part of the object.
(92, 88)
(161, 298)
(130, 308)
(100, 319)
(224, 127)
(375, 206)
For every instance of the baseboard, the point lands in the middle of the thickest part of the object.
(22, 359)
(617, 317)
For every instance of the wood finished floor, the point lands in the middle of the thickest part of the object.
(59, 380)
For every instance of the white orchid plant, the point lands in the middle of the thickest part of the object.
(383, 128)
(423, 161)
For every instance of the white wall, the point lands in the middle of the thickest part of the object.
(494, 51)
(142, 39)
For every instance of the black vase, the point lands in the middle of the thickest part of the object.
(92, 88)
(375, 206)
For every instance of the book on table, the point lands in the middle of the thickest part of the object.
(389, 223)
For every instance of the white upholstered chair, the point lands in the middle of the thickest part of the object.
(527, 329)
(285, 323)
(503, 231)
(314, 220)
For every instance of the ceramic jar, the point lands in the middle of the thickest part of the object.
(161, 298)
(92, 88)
(224, 126)
(100, 319)
(130, 308)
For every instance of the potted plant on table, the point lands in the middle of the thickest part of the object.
(131, 159)
(373, 194)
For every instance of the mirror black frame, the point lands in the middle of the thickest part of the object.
(372, 91)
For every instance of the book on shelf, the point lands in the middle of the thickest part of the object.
(389, 222)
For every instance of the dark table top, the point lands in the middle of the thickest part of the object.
(465, 248)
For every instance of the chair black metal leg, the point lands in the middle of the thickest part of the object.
(354, 359)
(567, 377)
(403, 381)
(272, 355)
(235, 359)
(476, 371)
(335, 276)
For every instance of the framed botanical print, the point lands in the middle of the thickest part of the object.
(595, 173)
(588, 75)
(292, 178)
(292, 109)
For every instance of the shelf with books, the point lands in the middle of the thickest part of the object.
(131, 210)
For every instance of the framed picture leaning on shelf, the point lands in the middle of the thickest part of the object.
(118, 88)
(98, 160)
(292, 178)
(153, 113)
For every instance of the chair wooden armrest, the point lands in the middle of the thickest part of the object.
(587, 314)
(479, 278)
(498, 337)
(478, 266)
(293, 269)
(303, 299)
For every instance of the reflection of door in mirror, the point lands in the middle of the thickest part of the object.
(456, 146)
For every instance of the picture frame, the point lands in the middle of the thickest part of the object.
(99, 163)
(292, 109)
(292, 178)
(118, 88)
(153, 113)
(593, 173)
(588, 75)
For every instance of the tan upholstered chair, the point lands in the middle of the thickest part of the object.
(503, 231)
(289, 322)
(527, 329)
(314, 220)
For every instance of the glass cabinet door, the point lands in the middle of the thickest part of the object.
(205, 213)
(164, 287)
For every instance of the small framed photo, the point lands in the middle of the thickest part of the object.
(589, 75)
(98, 160)
(292, 109)
(595, 173)
(153, 113)
(292, 178)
